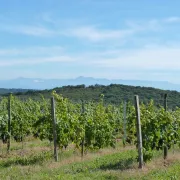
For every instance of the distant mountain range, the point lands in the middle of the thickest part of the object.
(30, 83)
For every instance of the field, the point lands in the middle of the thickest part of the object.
(93, 140)
(35, 161)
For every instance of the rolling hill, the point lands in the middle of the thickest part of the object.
(113, 93)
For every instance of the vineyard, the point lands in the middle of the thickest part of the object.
(90, 126)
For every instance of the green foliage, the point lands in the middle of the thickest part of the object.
(113, 94)
(95, 124)
(160, 128)
(3, 120)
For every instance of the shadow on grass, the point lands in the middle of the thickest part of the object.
(101, 165)
(27, 160)
(121, 165)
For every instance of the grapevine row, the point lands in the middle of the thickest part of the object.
(93, 125)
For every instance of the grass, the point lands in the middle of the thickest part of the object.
(35, 161)
(171, 173)
(26, 160)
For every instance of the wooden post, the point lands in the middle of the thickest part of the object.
(54, 128)
(165, 146)
(139, 135)
(124, 124)
(83, 139)
(165, 102)
(9, 124)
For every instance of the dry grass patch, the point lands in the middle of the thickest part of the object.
(76, 157)
(155, 164)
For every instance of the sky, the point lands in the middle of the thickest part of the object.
(113, 39)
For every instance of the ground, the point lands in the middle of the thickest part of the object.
(33, 160)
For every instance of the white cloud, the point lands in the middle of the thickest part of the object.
(33, 55)
(143, 63)
(38, 81)
(35, 60)
(148, 58)
(47, 17)
(40, 31)
(161, 58)
(32, 51)
(93, 34)
(172, 20)
(89, 32)
(5, 52)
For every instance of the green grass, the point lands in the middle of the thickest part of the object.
(27, 160)
(113, 164)
(79, 170)
(170, 173)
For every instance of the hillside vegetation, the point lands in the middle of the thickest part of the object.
(5, 91)
(113, 93)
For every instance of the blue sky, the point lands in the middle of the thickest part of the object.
(114, 39)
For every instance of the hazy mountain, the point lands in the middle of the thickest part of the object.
(30, 83)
